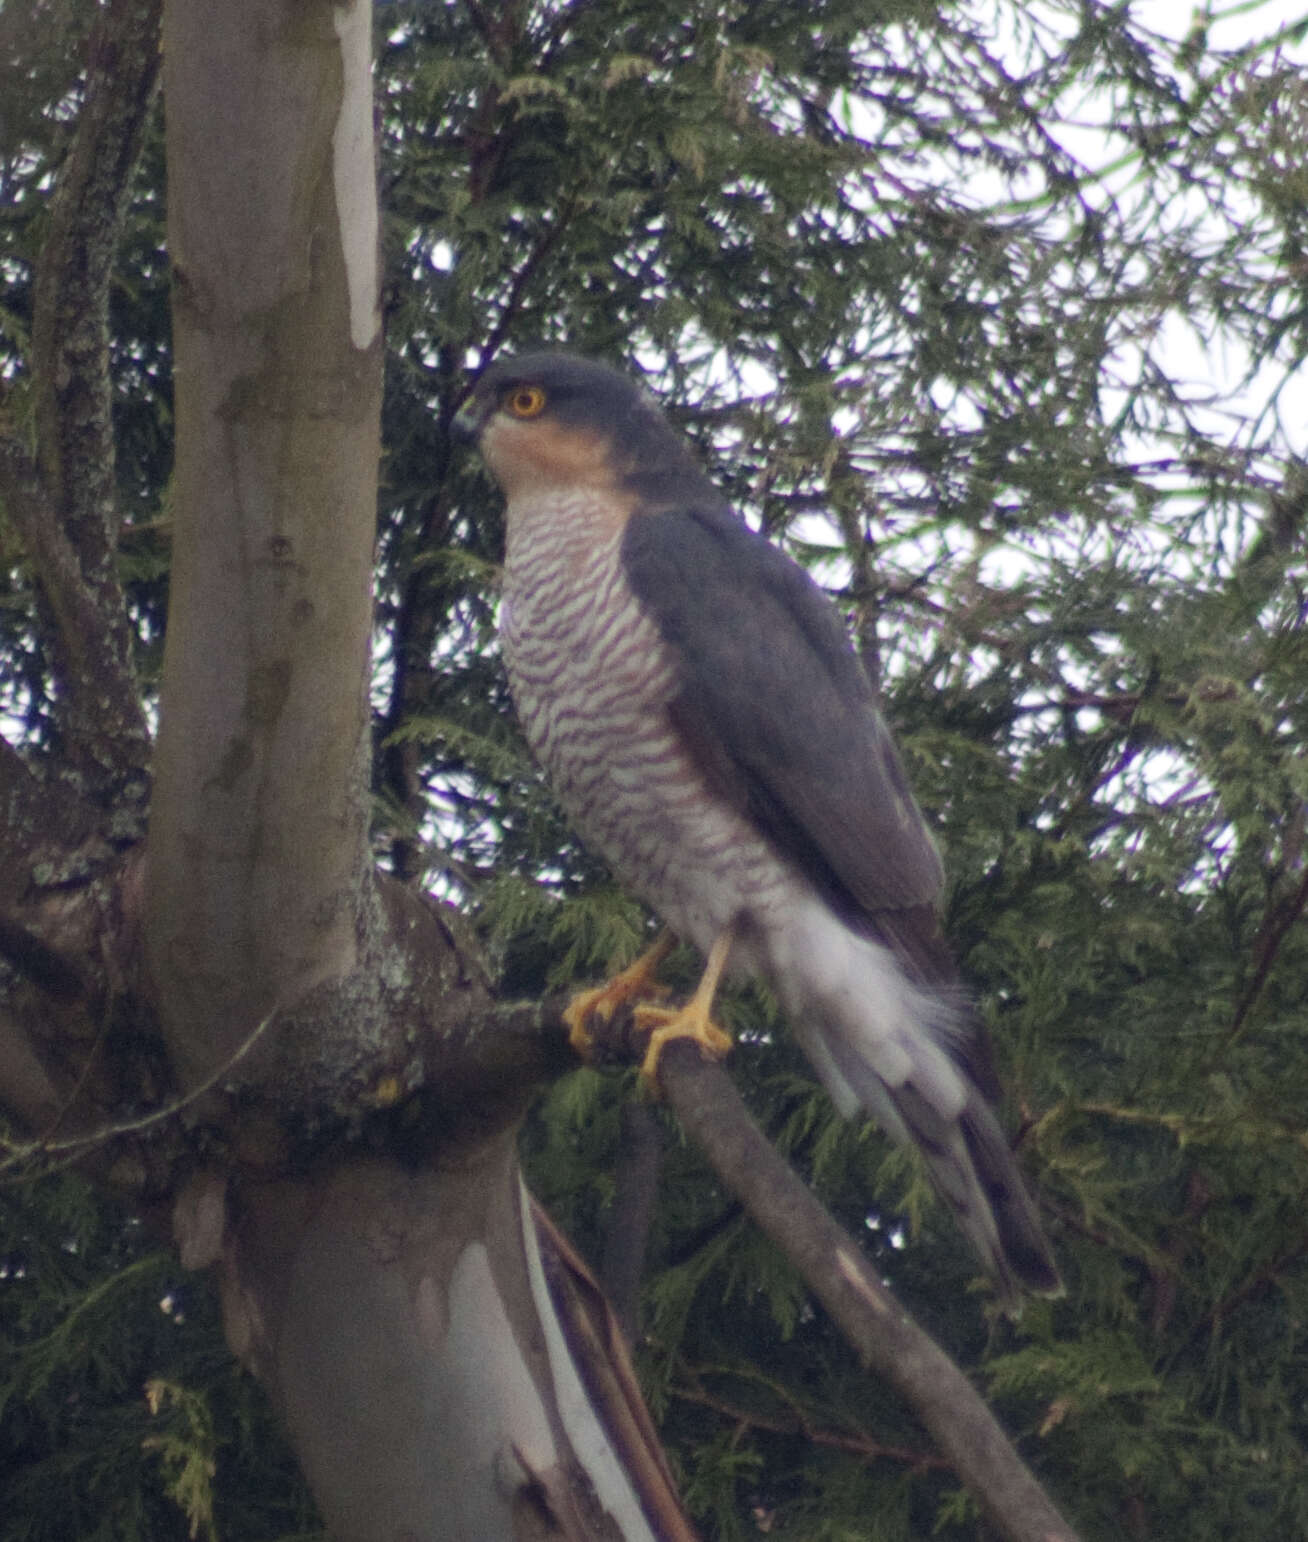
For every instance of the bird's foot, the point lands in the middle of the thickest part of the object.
(663, 1024)
(604, 1002)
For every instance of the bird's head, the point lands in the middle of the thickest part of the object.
(552, 419)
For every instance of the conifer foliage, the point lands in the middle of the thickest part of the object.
(994, 315)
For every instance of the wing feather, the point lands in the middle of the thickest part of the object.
(778, 710)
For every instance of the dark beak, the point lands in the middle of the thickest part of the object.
(469, 421)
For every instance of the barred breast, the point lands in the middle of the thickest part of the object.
(592, 679)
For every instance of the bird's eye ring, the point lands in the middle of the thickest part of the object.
(525, 401)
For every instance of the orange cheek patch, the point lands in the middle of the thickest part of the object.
(523, 454)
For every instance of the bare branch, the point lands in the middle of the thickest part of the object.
(797, 1423)
(52, 971)
(40, 819)
(46, 833)
(98, 704)
(1280, 918)
(26, 1088)
(632, 1213)
(22, 1154)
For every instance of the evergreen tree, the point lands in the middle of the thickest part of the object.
(992, 315)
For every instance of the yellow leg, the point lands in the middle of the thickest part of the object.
(693, 1021)
(606, 1000)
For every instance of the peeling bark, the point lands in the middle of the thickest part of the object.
(405, 1318)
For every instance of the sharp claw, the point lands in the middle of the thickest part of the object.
(575, 1015)
(634, 983)
(665, 1025)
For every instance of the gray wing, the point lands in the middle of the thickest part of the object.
(779, 712)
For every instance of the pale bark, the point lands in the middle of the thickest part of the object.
(258, 839)
(410, 1332)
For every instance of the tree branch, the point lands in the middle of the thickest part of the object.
(797, 1424)
(48, 847)
(888, 1341)
(414, 631)
(632, 1213)
(1273, 932)
(51, 971)
(66, 506)
(41, 820)
(97, 702)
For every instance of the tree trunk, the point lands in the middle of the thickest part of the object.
(260, 885)
(428, 1355)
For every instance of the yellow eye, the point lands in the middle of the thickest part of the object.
(525, 401)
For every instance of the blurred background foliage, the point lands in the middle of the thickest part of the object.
(994, 314)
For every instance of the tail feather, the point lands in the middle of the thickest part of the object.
(973, 1170)
(967, 1156)
(1017, 1223)
(912, 1055)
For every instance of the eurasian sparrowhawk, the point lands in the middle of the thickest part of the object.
(708, 728)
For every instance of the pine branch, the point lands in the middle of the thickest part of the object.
(1274, 930)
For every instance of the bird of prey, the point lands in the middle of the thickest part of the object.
(706, 725)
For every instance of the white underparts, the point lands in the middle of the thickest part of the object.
(843, 989)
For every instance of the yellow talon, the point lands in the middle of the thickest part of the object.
(605, 1001)
(682, 1023)
(693, 1021)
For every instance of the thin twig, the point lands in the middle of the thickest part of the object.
(107, 1132)
(858, 1445)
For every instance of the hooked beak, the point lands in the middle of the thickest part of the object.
(469, 421)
